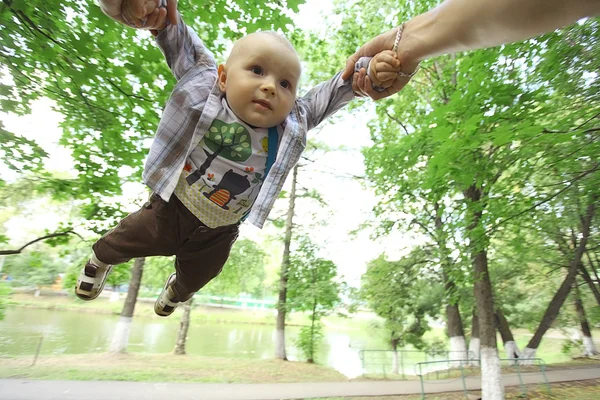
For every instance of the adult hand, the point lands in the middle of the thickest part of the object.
(361, 83)
(149, 14)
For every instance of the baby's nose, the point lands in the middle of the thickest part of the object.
(269, 89)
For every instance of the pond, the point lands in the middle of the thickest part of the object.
(75, 332)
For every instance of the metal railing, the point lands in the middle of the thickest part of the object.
(401, 362)
(32, 344)
(423, 369)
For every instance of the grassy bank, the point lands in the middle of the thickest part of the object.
(164, 368)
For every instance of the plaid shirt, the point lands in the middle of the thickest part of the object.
(196, 101)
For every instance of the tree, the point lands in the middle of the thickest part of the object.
(4, 292)
(121, 335)
(244, 272)
(589, 348)
(230, 141)
(476, 129)
(35, 268)
(405, 293)
(296, 192)
(156, 271)
(283, 274)
(184, 326)
(311, 287)
(561, 294)
(108, 81)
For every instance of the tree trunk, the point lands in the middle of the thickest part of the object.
(491, 373)
(563, 291)
(510, 346)
(589, 348)
(121, 336)
(184, 326)
(114, 294)
(474, 343)
(283, 275)
(395, 369)
(456, 333)
(588, 279)
(311, 359)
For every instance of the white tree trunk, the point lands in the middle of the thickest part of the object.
(114, 296)
(458, 349)
(280, 344)
(491, 375)
(395, 362)
(121, 336)
(526, 354)
(474, 345)
(589, 348)
(511, 349)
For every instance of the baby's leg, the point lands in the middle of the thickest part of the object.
(153, 230)
(158, 228)
(202, 258)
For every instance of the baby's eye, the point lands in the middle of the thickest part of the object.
(285, 84)
(257, 70)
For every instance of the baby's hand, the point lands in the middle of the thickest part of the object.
(384, 68)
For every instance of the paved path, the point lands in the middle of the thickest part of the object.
(19, 389)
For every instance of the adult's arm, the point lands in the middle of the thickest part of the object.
(460, 25)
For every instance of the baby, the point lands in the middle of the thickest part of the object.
(228, 137)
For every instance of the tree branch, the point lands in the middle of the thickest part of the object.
(546, 200)
(397, 121)
(50, 236)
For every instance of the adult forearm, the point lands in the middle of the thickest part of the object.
(459, 25)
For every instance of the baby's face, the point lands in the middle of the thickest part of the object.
(260, 80)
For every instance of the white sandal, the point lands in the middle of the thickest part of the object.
(91, 281)
(163, 305)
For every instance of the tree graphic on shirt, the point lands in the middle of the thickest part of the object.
(230, 141)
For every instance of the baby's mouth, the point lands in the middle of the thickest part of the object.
(264, 103)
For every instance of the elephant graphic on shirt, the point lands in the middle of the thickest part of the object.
(228, 188)
(230, 141)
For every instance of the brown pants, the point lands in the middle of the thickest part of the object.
(163, 228)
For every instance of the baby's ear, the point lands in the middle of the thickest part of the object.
(222, 77)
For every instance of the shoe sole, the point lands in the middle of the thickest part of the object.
(85, 297)
(166, 308)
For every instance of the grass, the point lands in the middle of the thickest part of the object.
(581, 390)
(164, 368)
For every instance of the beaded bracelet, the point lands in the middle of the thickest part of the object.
(395, 50)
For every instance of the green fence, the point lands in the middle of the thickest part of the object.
(448, 370)
(400, 364)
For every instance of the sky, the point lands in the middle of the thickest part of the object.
(349, 202)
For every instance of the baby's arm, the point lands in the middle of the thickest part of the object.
(182, 48)
(383, 69)
(326, 98)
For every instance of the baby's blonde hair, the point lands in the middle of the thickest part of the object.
(281, 38)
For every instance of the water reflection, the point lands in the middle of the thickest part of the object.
(70, 332)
